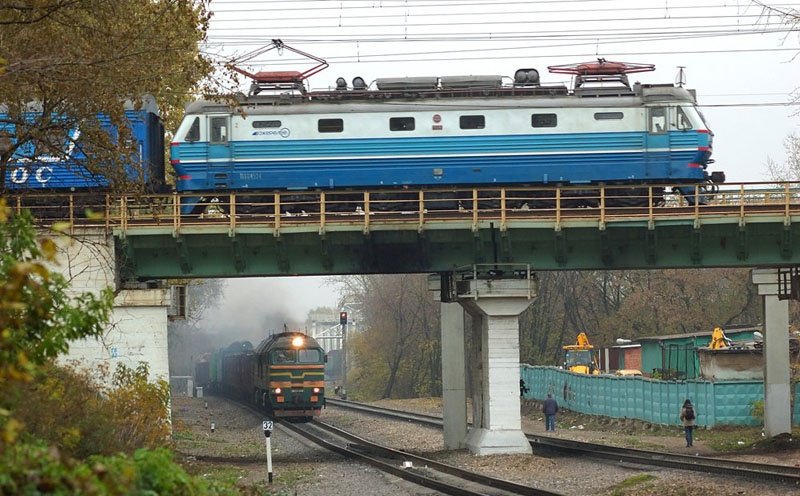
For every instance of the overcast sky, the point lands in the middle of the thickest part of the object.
(745, 66)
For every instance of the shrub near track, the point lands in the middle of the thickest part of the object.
(49, 417)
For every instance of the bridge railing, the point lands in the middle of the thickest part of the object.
(417, 208)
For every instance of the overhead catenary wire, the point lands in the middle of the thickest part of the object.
(401, 13)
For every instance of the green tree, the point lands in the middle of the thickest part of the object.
(70, 60)
(38, 315)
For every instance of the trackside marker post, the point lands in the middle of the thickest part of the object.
(267, 425)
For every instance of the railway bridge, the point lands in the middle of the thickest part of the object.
(485, 249)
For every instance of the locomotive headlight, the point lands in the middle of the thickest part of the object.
(277, 390)
(316, 390)
(297, 342)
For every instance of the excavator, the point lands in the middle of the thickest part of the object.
(579, 356)
(719, 340)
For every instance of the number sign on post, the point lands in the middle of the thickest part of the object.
(268, 425)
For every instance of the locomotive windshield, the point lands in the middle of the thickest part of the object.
(296, 356)
(695, 117)
(284, 356)
(310, 356)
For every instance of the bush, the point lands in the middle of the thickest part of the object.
(757, 410)
(67, 407)
(33, 468)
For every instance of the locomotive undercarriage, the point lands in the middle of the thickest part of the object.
(400, 201)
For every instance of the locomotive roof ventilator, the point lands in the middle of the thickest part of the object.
(277, 80)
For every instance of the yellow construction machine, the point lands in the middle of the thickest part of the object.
(579, 357)
(719, 340)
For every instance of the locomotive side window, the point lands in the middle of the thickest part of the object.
(219, 129)
(544, 120)
(401, 124)
(472, 121)
(194, 132)
(263, 124)
(658, 120)
(284, 356)
(309, 356)
(682, 120)
(330, 125)
(606, 116)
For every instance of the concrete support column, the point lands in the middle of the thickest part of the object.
(454, 393)
(137, 333)
(777, 392)
(498, 428)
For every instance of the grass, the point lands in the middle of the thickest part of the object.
(722, 439)
(725, 439)
(622, 488)
(223, 473)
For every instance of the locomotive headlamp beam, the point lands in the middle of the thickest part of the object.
(297, 342)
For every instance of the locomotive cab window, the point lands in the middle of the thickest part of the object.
(472, 121)
(194, 131)
(658, 120)
(310, 356)
(284, 356)
(219, 129)
(682, 120)
(544, 120)
(330, 125)
(401, 124)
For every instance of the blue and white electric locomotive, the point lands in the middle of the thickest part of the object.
(447, 132)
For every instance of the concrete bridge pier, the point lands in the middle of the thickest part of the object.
(454, 383)
(494, 304)
(497, 426)
(777, 392)
(137, 331)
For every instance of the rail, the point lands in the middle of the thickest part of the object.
(756, 471)
(420, 209)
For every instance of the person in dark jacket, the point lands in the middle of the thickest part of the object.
(550, 408)
(688, 416)
(522, 387)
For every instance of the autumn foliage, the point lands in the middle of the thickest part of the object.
(61, 431)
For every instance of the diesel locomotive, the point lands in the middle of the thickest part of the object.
(448, 132)
(284, 375)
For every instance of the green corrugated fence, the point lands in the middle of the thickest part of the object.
(729, 403)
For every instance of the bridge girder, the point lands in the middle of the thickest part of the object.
(153, 252)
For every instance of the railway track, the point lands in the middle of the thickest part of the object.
(441, 477)
(423, 471)
(749, 470)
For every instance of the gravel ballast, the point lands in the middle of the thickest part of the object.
(304, 469)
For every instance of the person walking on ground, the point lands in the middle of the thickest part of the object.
(550, 408)
(688, 416)
(522, 387)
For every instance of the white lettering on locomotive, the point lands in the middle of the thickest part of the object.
(42, 175)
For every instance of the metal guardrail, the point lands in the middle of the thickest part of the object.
(504, 207)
